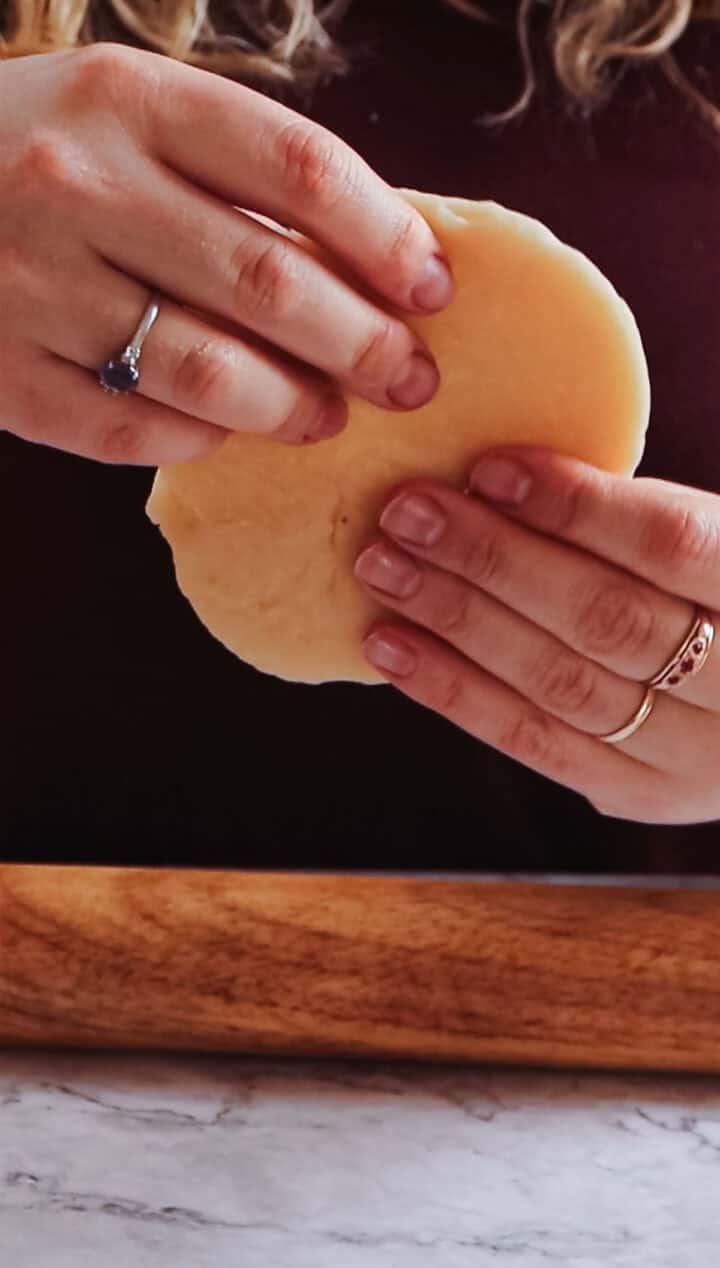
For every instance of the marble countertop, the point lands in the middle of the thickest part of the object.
(136, 1161)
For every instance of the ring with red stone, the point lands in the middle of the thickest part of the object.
(122, 374)
(690, 657)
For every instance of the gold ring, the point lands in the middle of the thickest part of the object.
(636, 720)
(690, 657)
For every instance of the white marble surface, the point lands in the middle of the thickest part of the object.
(123, 1161)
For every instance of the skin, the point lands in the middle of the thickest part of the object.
(123, 171)
(532, 624)
(529, 621)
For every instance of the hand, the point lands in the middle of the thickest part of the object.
(533, 625)
(121, 171)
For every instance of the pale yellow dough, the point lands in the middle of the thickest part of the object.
(537, 347)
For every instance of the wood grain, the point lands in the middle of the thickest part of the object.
(360, 966)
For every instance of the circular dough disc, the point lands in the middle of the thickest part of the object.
(536, 348)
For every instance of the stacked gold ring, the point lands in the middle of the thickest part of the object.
(685, 663)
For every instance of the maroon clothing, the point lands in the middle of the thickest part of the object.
(108, 763)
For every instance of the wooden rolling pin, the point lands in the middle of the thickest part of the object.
(390, 967)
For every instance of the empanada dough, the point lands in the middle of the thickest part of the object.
(537, 347)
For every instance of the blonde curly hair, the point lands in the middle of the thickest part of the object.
(292, 42)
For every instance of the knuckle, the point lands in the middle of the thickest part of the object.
(400, 262)
(566, 508)
(481, 560)
(301, 420)
(16, 270)
(201, 376)
(453, 615)
(450, 695)
(566, 682)
(402, 236)
(96, 73)
(122, 442)
(315, 165)
(677, 538)
(377, 356)
(45, 166)
(533, 740)
(613, 620)
(266, 283)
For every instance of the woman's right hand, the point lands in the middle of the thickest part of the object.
(123, 171)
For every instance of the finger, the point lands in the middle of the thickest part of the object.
(252, 151)
(676, 738)
(438, 677)
(51, 402)
(206, 254)
(600, 611)
(666, 533)
(186, 363)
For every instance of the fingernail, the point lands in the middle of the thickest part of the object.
(501, 479)
(390, 654)
(388, 570)
(417, 383)
(418, 519)
(435, 288)
(331, 421)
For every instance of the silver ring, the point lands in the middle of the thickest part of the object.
(121, 374)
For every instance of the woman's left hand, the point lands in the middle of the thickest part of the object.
(534, 618)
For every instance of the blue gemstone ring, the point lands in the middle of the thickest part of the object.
(122, 374)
